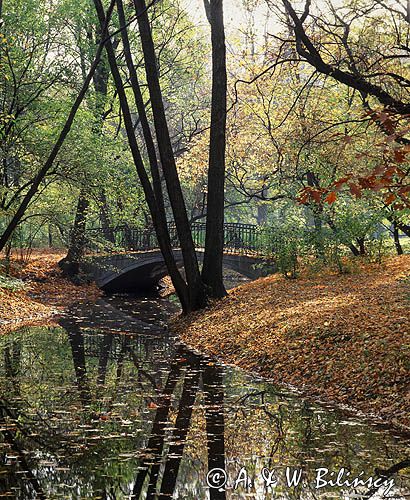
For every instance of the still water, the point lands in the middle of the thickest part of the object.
(108, 406)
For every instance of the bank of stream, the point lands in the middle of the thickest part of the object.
(108, 405)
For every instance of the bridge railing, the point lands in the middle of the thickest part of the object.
(238, 238)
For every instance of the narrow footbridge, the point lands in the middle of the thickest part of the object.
(128, 259)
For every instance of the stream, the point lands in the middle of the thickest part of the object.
(107, 405)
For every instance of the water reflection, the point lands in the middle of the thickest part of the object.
(108, 406)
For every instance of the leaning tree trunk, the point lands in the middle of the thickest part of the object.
(196, 292)
(159, 223)
(214, 240)
(142, 115)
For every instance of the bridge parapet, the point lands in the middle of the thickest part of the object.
(243, 239)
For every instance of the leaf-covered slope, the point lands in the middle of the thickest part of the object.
(342, 337)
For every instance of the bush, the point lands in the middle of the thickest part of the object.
(291, 242)
(8, 283)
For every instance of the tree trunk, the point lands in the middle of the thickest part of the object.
(404, 228)
(262, 216)
(196, 293)
(362, 245)
(212, 273)
(71, 263)
(317, 214)
(355, 251)
(105, 218)
(397, 244)
(159, 224)
(139, 102)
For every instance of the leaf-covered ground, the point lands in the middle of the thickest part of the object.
(343, 338)
(45, 292)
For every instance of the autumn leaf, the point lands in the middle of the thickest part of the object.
(331, 198)
(316, 195)
(355, 190)
(361, 316)
(340, 182)
(399, 156)
(390, 198)
(303, 198)
(404, 191)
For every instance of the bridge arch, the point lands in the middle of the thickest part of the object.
(135, 271)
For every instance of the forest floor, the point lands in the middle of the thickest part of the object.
(40, 292)
(344, 339)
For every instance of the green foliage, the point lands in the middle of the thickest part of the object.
(13, 284)
(305, 238)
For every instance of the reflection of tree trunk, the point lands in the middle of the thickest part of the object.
(104, 356)
(156, 441)
(120, 363)
(215, 422)
(176, 449)
(385, 474)
(76, 339)
(396, 238)
(12, 359)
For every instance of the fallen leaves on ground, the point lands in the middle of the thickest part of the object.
(342, 337)
(46, 291)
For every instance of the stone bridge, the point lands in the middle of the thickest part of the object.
(133, 271)
(128, 259)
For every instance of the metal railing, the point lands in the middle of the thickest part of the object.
(238, 238)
